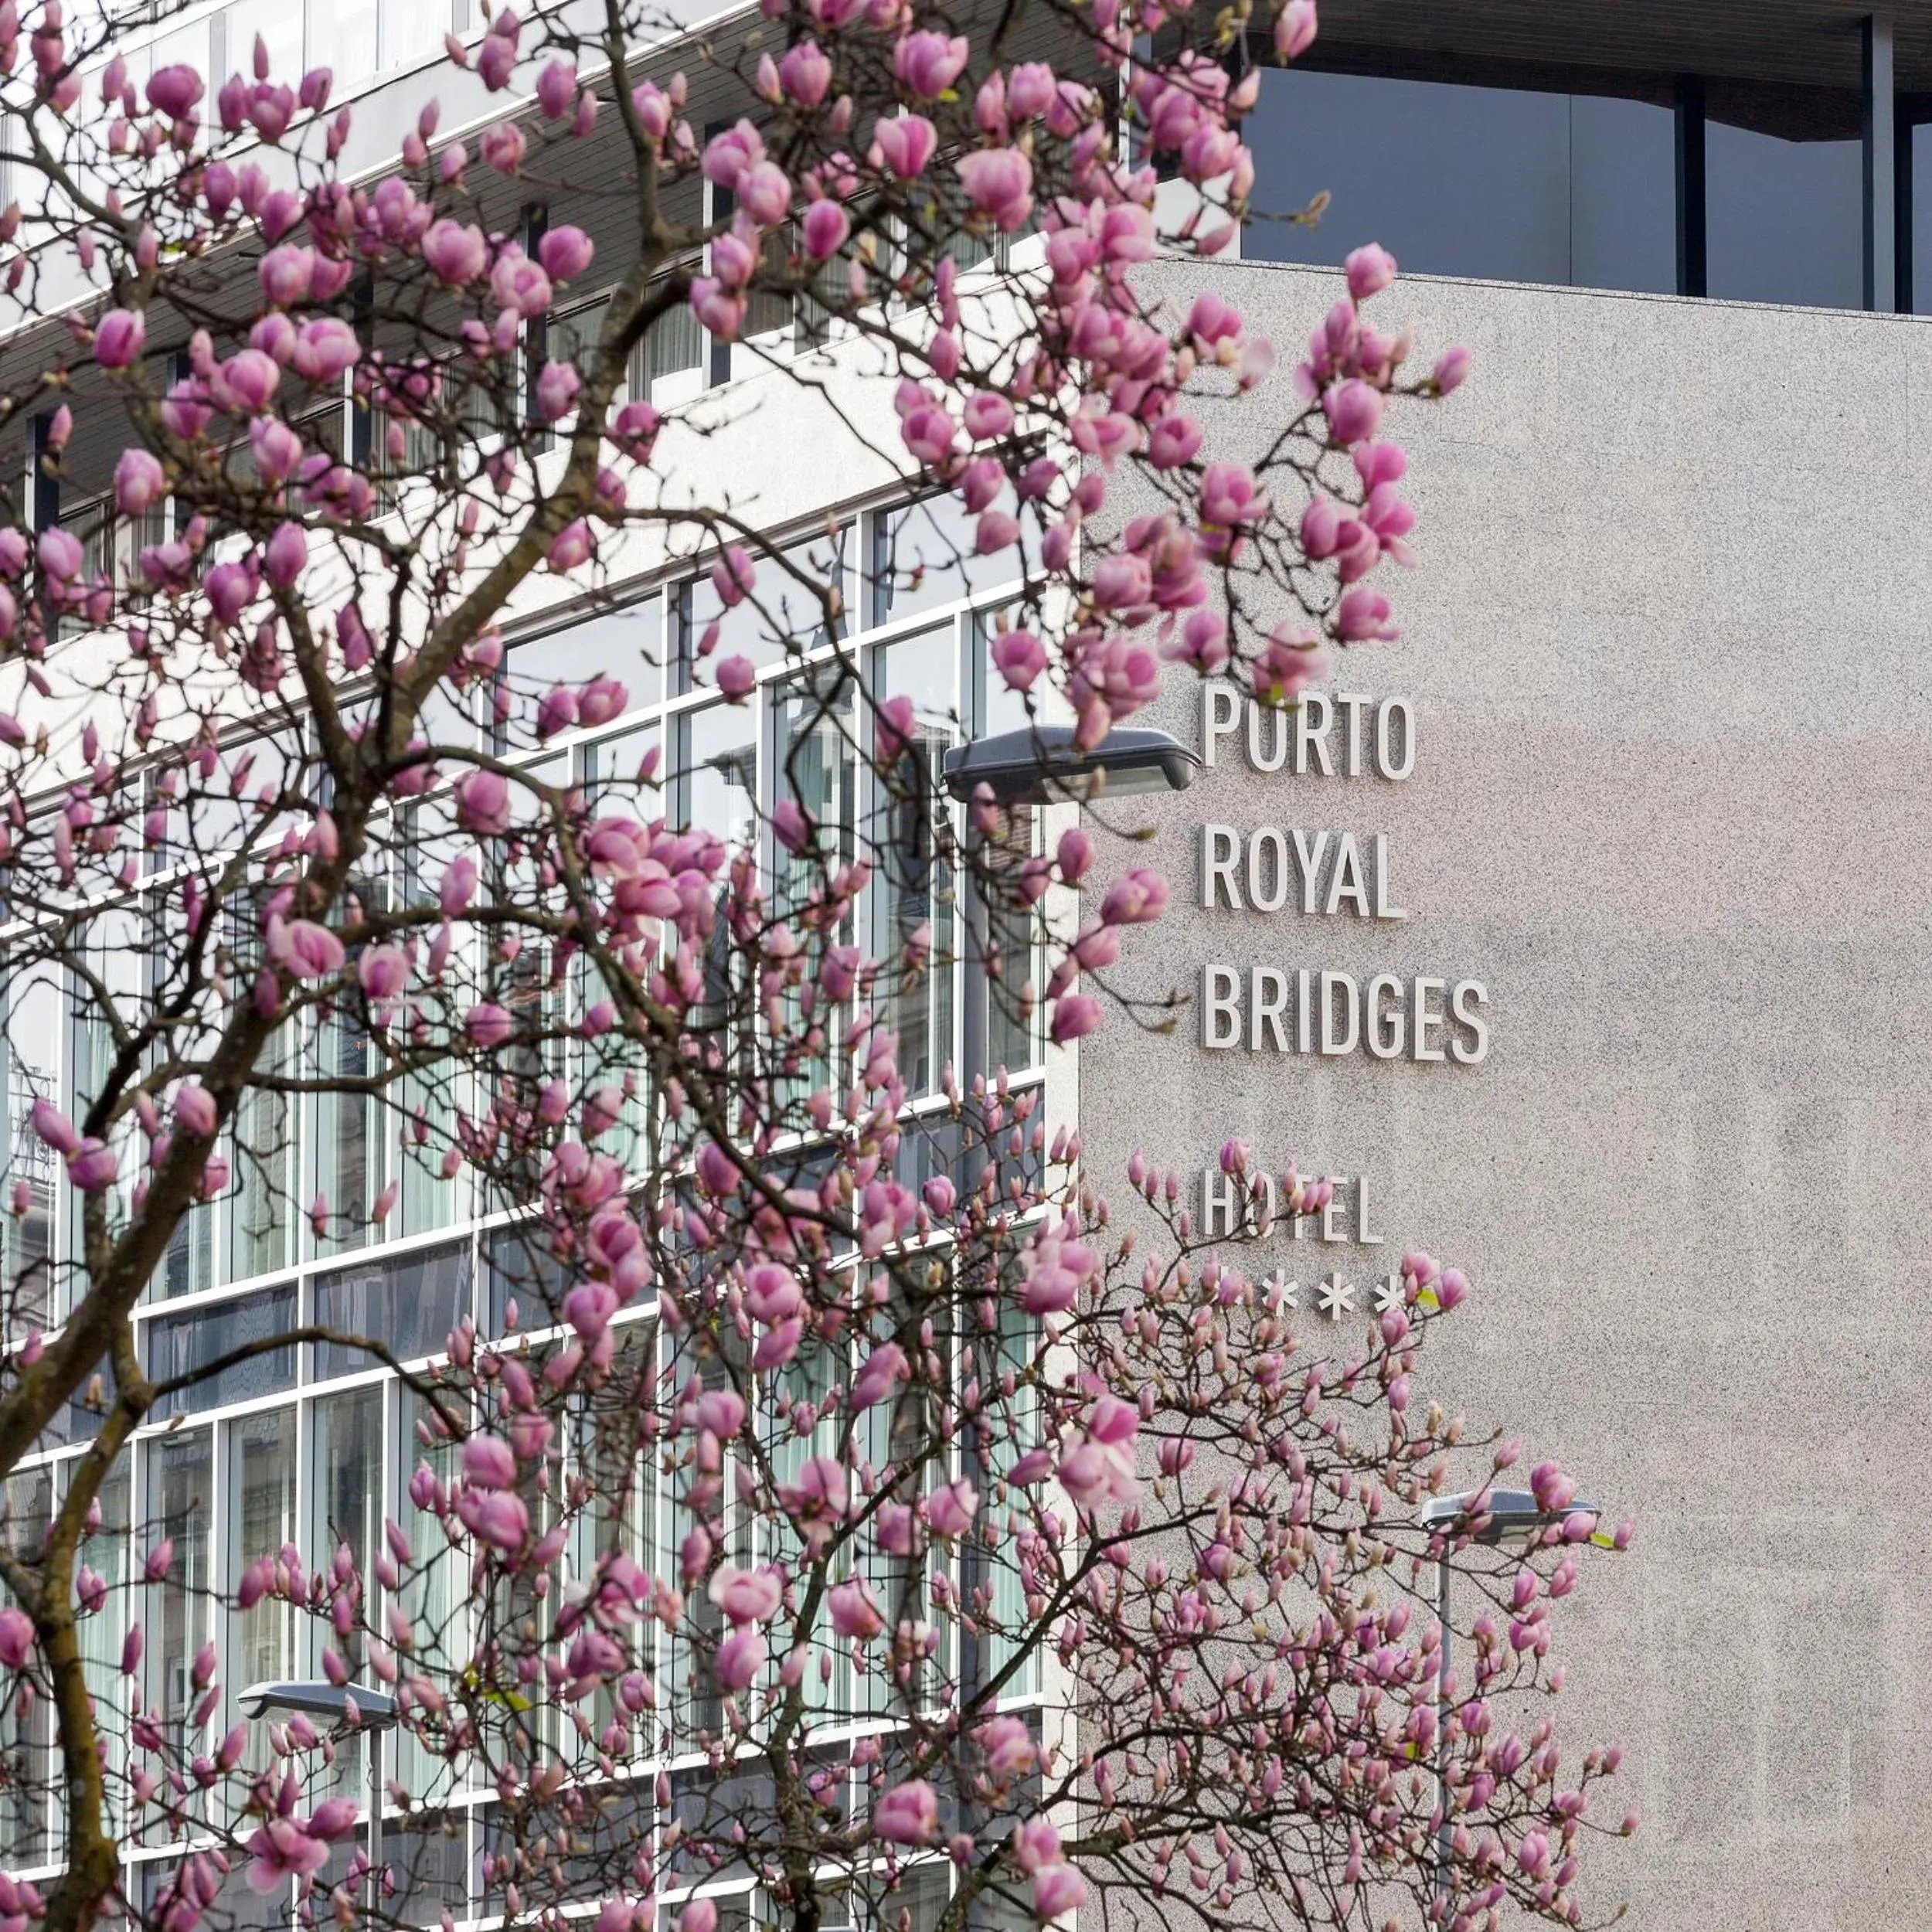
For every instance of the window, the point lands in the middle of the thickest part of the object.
(261, 1451)
(1576, 189)
(627, 643)
(410, 1304)
(1784, 217)
(911, 827)
(181, 1489)
(783, 615)
(179, 1344)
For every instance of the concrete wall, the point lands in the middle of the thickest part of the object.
(1669, 648)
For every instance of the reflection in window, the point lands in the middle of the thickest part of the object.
(26, 1508)
(1784, 219)
(180, 1485)
(182, 1343)
(915, 884)
(1572, 188)
(717, 784)
(31, 1046)
(262, 1482)
(923, 556)
(409, 1304)
(784, 615)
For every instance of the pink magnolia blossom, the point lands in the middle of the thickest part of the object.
(16, 1639)
(999, 183)
(1369, 269)
(139, 482)
(926, 64)
(118, 337)
(854, 1611)
(907, 1814)
(805, 74)
(826, 227)
(903, 144)
(520, 285)
(739, 1659)
(566, 253)
(456, 252)
(746, 1596)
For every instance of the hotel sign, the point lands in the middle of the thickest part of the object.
(1324, 873)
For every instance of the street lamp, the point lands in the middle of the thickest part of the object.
(1492, 1517)
(375, 1711)
(1041, 765)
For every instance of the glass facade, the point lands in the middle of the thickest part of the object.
(312, 1444)
(1498, 181)
(1784, 219)
(1656, 184)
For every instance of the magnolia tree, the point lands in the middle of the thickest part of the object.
(875, 1534)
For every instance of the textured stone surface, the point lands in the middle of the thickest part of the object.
(1669, 645)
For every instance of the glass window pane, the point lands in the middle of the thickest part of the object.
(348, 1152)
(1623, 194)
(261, 1451)
(1013, 1037)
(410, 32)
(783, 616)
(435, 1597)
(1466, 181)
(411, 1304)
(31, 1046)
(923, 556)
(178, 1343)
(348, 1485)
(26, 1735)
(1784, 221)
(671, 354)
(180, 1477)
(717, 780)
(817, 768)
(1459, 181)
(348, 44)
(914, 892)
(626, 645)
(260, 1200)
(279, 22)
(107, 1553)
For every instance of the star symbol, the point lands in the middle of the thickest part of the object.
(1389, 1294)
(1335, 1298)
(1282, 1294)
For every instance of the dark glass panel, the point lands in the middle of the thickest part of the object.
(410, 1304)
(1623, 194)
(1785, 219)
(1493, 182)
(185, 1342)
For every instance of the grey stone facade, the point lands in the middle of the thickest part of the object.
(1668, 647)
